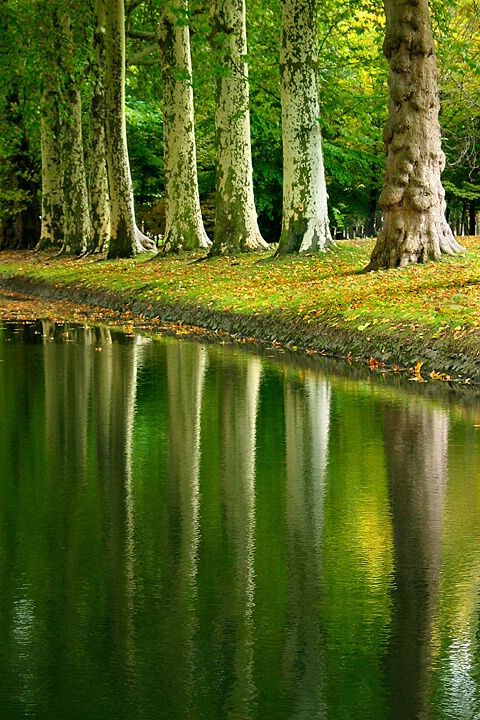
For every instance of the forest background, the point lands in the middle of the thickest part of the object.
(353, 93)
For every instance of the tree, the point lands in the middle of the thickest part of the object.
(53, 227)
(236, 226)
(305, 215)
(97, 165)
(413, 199)
(184, 225)
(125, 238)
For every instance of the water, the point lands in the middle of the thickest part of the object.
(193, 531)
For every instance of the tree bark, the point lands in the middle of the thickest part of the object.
(97, 166)
(125, 241)
(184, 225)
(413, 199)
(305, 215)
(77, 238)
(53, 229)
(236, 226)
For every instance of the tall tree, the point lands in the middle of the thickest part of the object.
(413, 199)
(77, 238)
(236, 226)
(53, 227)
(125, 238)
(184, 225)
(97, 158)
(305, 215)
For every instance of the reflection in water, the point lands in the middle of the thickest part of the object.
(416, 451)
(307, 414)
(238, 430)
(186, 366)
(194, 532)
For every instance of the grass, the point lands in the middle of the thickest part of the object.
(425, 308)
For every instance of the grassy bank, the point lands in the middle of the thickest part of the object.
(423, 316)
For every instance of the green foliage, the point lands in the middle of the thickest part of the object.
(145, 147)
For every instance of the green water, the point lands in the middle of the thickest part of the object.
(193, 531)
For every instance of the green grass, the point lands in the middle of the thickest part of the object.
(436, 300)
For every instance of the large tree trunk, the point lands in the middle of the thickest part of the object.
(97, 165)
(52, 230)
(125, 240)
(305, 216)
(77, 239)
(184, 225)
(413, 199)
(236, 227)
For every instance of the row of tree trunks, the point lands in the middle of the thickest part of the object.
(415, 228)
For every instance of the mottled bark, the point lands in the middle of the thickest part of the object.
(77, 237)
(97, 158)
(52, 230)
(413, 199)
(236, 227)
(184, 225)
(305, 215)
(125, 240)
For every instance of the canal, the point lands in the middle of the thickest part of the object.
(197, 531)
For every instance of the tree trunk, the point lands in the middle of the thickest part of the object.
(125, 241)
(413, 199)
(77, 239)
(305, 216)
(97, 166)
(236, 227)
(53, 229)
(184, 225)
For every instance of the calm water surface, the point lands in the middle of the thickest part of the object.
(191, 531)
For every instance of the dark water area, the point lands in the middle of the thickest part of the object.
(194, 531)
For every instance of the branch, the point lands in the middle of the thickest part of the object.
(140, 35)
(138, 57)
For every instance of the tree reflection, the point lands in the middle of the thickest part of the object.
(307, 417)
(239, 401)
(186, 366)
(416, 454)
